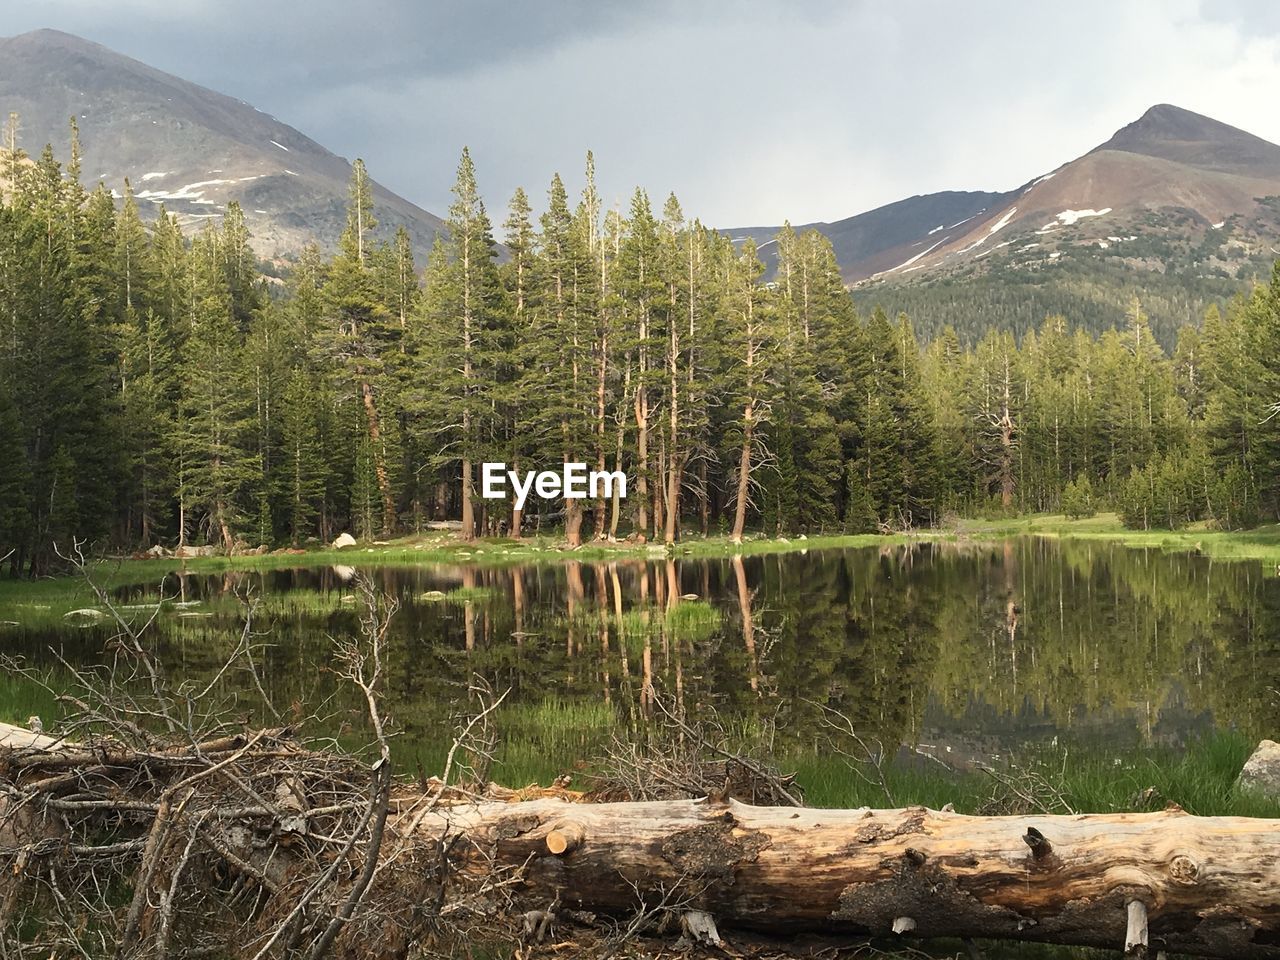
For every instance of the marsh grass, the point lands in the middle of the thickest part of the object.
(21, 698)
(1260, 543)
(538, 741)
(1200, 779)
(471, 595)
(543, 740)
(692, 620)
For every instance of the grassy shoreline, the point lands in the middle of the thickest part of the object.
(1259, 543)
(1262, 543)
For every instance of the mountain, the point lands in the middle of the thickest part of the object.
(1171, 169)
(873, 242)
(184, 146)
(1176, 208)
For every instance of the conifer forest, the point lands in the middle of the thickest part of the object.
(158, 386)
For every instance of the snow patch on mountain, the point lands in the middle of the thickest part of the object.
(999, 225)
(1068, 217)
(192, 192)
(908, 263)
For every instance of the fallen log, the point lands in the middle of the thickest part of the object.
(1208, 886)
(1133, 882)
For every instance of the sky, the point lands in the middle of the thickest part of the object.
(751, 111)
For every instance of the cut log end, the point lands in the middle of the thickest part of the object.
(564, 837)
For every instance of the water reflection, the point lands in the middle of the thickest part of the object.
(971, 649)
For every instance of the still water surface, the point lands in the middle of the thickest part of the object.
(962, 652)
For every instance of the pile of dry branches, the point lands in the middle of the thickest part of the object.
(155, 824)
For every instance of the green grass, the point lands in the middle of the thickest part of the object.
(1200, 779)
(694, 620)
(537, 741)
(446, 549)
(636, 625)
(471, 594)
(689, 620)
(1260, 543)
(21, 698)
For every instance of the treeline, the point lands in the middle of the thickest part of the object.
(1084, 284)
(158, 388)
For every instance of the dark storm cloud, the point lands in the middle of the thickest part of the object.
(378, 40)
(752, 111)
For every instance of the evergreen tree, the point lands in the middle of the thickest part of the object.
(216, 467)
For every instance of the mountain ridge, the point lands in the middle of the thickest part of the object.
(185, 146)
(1169, 159)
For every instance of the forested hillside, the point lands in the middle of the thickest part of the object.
(155, 387)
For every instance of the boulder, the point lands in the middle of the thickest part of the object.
(84, 613)
(157, 551)
(1261, 772)
(188, 550)
(344, 540)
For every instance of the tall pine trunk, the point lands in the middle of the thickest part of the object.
(675, 464)
(642, 455)
(748, 425)
(744, 473)
(601, 397)
(379, 458)
(468, 509)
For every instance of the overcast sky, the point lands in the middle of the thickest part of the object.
(752, 111)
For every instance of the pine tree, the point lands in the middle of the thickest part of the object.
(516, 396)
(639, 286)
(747, 343)
(356, 337)
(215, 463)
(303, 467)
(465, 335)
(994, 404)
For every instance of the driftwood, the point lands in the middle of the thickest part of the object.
(715, 868)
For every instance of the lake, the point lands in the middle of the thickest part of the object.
(965, 653)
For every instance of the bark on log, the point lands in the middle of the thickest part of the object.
(1208, 886)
